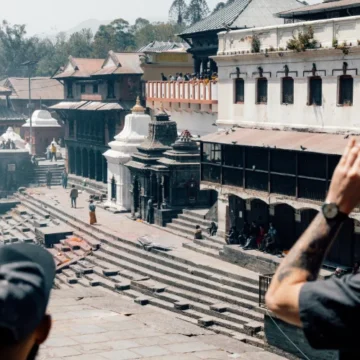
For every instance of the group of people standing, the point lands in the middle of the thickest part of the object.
(8, 145)
(254, 237)
(205, 76)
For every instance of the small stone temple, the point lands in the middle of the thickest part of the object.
(11, 135)
(125, 144)
(164, 173)
(44, 129)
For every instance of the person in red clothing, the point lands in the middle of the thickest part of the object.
(260, 237)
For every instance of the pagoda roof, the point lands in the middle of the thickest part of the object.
(243, 14)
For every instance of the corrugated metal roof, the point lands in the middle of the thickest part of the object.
(93, 105)
(163, 46)
(7, 114)
(288, 140)
(43, 88)
(333, 5)
(231, 15)
(68, 105)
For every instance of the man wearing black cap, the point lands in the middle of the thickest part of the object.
(26, 277)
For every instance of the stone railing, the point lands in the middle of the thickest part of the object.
(346, 31)
(200, 92)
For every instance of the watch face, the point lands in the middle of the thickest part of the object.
(330, 211)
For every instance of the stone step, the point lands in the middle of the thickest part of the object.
(161, 259)
(188, 218)
(195, 214)
(202, 250)
(243, 299)
(208, 244)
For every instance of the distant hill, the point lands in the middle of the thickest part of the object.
(92, 24)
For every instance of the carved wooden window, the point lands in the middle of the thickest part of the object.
(239, 91)
(287, 90)
(95, 88)
(83, 88)
(315, 91)
(69, 89)
(346, 90)
(262, 91)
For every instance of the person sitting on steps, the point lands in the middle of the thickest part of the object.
(233, 236)
(251, 241)
(212, 229)
(198, 233)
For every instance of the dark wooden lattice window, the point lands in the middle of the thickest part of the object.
(95, 88)
(239, 91)
(288, 90)
(69, 90)
(315, 91)
(82, 88)
(113, 189)
(111, 89)
(262, 91)
(346, 90)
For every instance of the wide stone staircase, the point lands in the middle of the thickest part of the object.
(210, 296)
(39, 174)
(184, 225)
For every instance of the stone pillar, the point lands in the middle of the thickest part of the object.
(223, 203)
(159, 192)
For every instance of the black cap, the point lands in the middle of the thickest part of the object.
(26, 278)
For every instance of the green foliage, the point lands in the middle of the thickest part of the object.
(335, 43)
(116, 36)
(305, 40)
(178, 11)
(196, 11)
(255, 44)
(158, 31)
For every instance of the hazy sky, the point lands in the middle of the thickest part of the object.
(45, 16)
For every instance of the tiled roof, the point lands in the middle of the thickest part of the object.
(83, 68)
(5, 90)
(128, 63)
(93, 105)
(162, 46)
(41, 88)
(7, 114)
(235, 16)
(333, 5)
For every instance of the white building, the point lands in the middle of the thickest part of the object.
(125, 144)
(284, 118)
(278, 88)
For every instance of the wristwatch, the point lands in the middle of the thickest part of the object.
(332, 212)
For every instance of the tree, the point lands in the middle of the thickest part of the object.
(196, 11)
(219, 6)
(158, 31)
(116, 36)
(80, 44)
(178, 11)
(140, 23)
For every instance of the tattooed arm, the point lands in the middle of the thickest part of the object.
(304, 261)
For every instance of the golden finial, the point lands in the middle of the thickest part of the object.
(138, 108)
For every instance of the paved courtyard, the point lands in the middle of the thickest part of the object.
(91, 324)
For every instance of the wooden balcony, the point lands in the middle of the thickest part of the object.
(189, 92)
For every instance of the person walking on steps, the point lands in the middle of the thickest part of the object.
(73, 196)
(92, 209)
(48, 179)
(53, 152)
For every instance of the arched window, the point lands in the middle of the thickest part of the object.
(239, 91)
(287, 91)
(346, 90)
(262, 91)
(315, 91)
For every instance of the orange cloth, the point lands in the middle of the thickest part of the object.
(92, 218)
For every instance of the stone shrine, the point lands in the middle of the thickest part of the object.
(44, 129)
(125, 144)
(11, 135)
(164, 173)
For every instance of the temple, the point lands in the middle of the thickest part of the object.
(125, 144)
(164, 173)
(44, 129)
